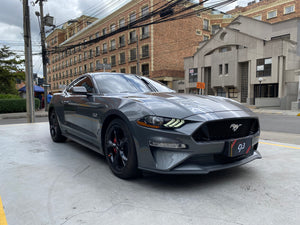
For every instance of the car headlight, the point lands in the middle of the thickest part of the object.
(160, 122)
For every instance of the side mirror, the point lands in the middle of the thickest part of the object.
(80, 90)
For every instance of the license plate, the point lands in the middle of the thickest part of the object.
(240, 147)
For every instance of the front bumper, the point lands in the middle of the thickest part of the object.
(196, 158)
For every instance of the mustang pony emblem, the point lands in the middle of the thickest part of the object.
(235, 127)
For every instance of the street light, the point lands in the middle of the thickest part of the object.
(260, 80)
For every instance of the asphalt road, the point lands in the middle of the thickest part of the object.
(47, 183)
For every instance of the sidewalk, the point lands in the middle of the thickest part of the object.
(276, 111)
(40, 113)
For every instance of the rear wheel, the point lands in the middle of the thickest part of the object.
(120, 150)
(55, 130)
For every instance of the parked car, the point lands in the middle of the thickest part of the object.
(140, 124)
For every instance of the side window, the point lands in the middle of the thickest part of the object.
(85, 82)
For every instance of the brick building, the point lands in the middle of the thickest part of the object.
(155, 50)
(271, 11)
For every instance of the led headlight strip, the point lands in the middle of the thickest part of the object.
(174, 123)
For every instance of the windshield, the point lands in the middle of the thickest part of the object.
(121, 83)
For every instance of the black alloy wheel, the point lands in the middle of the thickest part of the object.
(120, 150)
(55, 129)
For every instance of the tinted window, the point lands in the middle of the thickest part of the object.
(117, 83)
(158, 86)
(85, 82)
(121, 83)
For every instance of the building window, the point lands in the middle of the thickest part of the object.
(85, 68)
(98, 65)
(226, 68)
(85, 55)
(122, 58)
(132, 17)
(112, 45)
(145, 11)
(97, 34)
(112, 27)
(122, 41)
(258, 17)
(145, 51)
(97, 50)
(79, 58)
(75, 59)
(221, 92)
(105, 61)
(104, 49)
(205, 24)
(272, 14)
(133, 69)
(80, 69)
(145, 69)
(113, 60)
(122, 23)
(104, 31)
(75, 71)
(266, 90)
(132, 54)
(91, 53)
(91, 67)
(232, 92)
(132, 37)
(71, 74)
(215, 28)
(145, 32)
(205, 38)
(289, 9)
(220, 69)
(264, 67)
(123, 70)
(193, 75)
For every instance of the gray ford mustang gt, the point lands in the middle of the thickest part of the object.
(140, 124)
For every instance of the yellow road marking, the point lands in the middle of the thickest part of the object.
(285, 146)
(2, 214)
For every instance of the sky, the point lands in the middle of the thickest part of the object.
(11, 20)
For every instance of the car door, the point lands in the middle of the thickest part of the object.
(83, 111)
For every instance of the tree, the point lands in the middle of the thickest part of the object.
(10, 70)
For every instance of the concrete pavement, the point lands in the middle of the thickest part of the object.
(46, 183)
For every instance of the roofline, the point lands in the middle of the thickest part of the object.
(102, 20)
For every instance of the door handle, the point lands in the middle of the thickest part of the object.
(65, 102)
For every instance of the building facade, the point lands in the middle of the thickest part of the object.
(250, 61)
(271, 11)
(155, 50)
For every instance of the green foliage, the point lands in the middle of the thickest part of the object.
(10, 70)
(15, 105)
(9, 96)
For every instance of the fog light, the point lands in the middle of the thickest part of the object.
(166, 145)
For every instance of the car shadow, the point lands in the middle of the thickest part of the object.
(175, 182)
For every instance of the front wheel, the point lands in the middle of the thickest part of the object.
(55, 129)
(120, 150)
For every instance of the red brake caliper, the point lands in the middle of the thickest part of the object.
(115, 141)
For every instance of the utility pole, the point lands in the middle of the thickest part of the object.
(44, 53)
(138, 56)
(28, 64)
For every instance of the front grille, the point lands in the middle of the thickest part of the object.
(226, 129)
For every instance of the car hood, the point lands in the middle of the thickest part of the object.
(176, 105)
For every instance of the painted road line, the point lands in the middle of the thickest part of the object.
(285, 146)
(2, 214)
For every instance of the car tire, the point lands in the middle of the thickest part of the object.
(55, 130)
(120, 150)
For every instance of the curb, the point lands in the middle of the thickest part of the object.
(21, 115)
